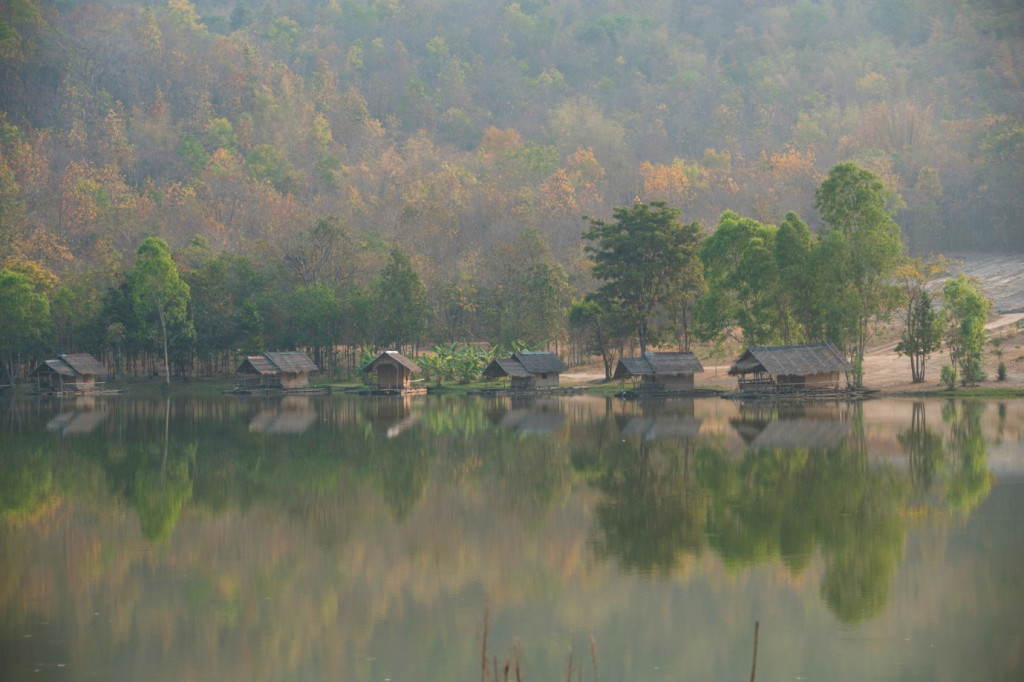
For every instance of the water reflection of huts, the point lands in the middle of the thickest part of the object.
(527, 414)
(83, 416)
(391, 415)
(792, 426)
(662, 419)
(293, 414)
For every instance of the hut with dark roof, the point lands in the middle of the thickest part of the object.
(660, 372)
(392, 373)
(69, 373)
(783, 369)
(280, 370)
(528, 371)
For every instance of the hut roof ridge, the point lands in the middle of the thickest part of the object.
(654, 363)
(73, 364)
(394, 356)
(292, 361)
(540, 362)
(794, 359)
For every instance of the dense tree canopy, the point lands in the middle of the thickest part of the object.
(641, 258)
(24, 319)
(862, 245)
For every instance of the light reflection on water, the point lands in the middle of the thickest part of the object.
(360, 539)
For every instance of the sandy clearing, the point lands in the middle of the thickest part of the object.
(884, 370)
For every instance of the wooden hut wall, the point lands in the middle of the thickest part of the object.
(290, 380)
(85, 382)
(818, 379)
(61, 383)
(391, 376)
(523, 383)
(546, 380)
(677, 382)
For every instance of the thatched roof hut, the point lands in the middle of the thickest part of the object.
(285, 370)
(528, 370)
(392, 371)
(770, 369)
(70, 373)
(660, 372)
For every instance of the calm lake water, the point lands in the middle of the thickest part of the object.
(345, 538)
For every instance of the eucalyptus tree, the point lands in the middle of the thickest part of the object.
(642, 257)
(159, 292)
(861, 250)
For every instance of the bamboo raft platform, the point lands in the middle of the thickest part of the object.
(416, 390)
(634, 394)
(507, 390)
(252, 390)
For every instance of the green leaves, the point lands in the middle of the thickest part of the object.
(24, 318)
(454, 362)
(863, 245)
(644, 258)
(402, 308)
(158, 291)
(966, 308)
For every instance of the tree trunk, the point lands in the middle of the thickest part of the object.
(163, 328)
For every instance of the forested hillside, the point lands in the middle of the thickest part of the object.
(312, 143)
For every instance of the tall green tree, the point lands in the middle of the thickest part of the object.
(642, 257)
(794, 254)
(224, 309)
(966, 308)
(24, 319)
(744, 287)
(402, 307)
(863, 248)
(159, 292)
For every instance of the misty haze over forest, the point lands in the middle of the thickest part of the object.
(421, 120)
(314, 139)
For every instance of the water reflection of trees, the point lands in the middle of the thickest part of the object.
(805, 483)
(950, 476)
(653, 511)
(797, 484)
